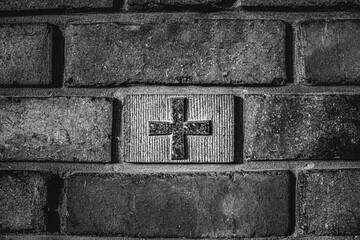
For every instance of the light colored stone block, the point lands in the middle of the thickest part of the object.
(179, 128)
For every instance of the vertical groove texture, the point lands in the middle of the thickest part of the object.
(218, 147)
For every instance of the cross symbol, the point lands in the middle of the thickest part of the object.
(179, 128)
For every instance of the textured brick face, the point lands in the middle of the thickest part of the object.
(55, 129)
(298, 3)
(329, 52)
(329, 202)
(171, 4)
(22, 201)
(182, 205)
(25, 55)
(17, 5)
(302, 127)
(183, 51)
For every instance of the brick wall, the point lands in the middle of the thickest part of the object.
(179, 119)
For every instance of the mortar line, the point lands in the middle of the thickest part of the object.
(68, 168)
(141, 17)
(120, 92)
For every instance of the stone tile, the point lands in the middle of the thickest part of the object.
(179, 128)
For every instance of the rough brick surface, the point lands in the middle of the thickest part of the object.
(179, 205)
(17, 5)
(302, 127)
(25, 54)
(329, 52)
(174, 4)
(298, 3)
(22, 201)
(329, 202)
(55, 129)
(56, 237)
(185, 51)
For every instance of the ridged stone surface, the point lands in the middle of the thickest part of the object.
(141, 146)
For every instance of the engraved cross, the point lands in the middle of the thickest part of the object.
(179, 128)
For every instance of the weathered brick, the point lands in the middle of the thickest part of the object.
(234, 204)
(55, 129)
(302, 127)
(329, 52)
(162, 128)
(298, 3)
(176, 4)
(62, 237)
(18, 5)
(22, 201)
(25, 54)
(329, 202)
(176, 51)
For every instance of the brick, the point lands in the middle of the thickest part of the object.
(204, 132)
(19, 5)
(194, 205)
(22, 202)
(25, 54)
(55, 129)
(329, 202)
(155, 5)
(329, 52)
(302, 127)
(176, 51)
(298, 3)
(55, 237)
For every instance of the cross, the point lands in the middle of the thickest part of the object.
(179, 128)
